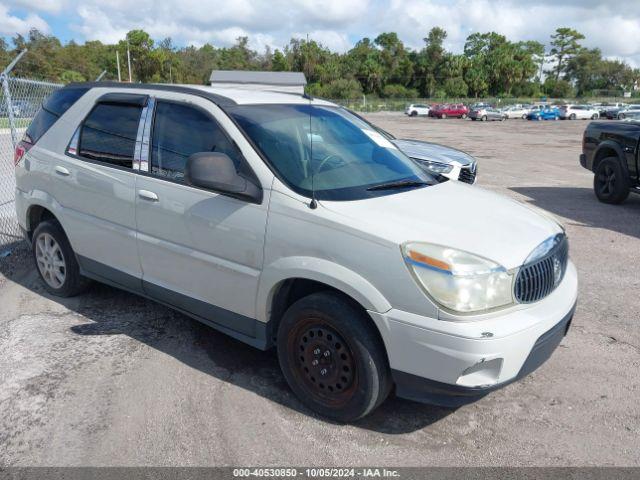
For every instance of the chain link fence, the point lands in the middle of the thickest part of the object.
(20, 100)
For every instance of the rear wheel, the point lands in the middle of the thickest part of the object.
(443, 116)
(572, 116)
(463, 116)
(55, 260)
(483, 118)
(610, 184)
(594, 116)
(524, 116)
(413, 114)
(621, 116)
(332, 357)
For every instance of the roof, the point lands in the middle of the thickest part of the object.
(223, 97)
(253, 77)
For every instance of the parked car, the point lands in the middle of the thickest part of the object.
(416, 109)
(624, 111)
(439, 160)
(24, 108)
(516, 112)
(484, 114)
(454, 110)
(285, 222)
(631, 116)
(546, 113)
(578, 112)
(604, 107)
(610, 150)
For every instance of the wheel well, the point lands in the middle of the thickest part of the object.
(603, 153)
(36, 215)
(292, 290)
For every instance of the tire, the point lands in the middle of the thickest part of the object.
(443, 116)
(483, 118)
(572, 116)
(357, 372)
(503, 118)
(463, 116)
(595, 116)
(56, 262)
(413, 114)
(621, 116)
(610, 183)
(524, 117)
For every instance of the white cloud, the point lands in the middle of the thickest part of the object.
(10, 24)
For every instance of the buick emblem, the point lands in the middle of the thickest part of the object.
(557, 270)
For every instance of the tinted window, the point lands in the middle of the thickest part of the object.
(181, 130)
(109, 134)
(53, 107)
(61, 100)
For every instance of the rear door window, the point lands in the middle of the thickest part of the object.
(109, 132)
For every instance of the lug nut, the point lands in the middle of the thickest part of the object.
(323, 372)
(327, 353)
(316, 351)
(314, 362)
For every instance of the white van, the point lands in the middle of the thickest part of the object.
(288, 222)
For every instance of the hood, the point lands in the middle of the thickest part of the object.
(434, 152)
(452, 214)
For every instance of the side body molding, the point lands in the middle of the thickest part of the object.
(320, 270)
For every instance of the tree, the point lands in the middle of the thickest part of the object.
(565, 44)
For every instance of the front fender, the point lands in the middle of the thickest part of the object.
(319, 270)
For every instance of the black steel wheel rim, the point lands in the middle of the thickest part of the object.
(323, 363)
(607, 180)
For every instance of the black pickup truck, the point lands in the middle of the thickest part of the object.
(611, 151)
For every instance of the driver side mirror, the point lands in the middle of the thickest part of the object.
(216, 171)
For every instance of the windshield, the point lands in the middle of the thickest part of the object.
(327, 148)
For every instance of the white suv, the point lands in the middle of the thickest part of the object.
(416, 109)
(288, 222)
(579, 112)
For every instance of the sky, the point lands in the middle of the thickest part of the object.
(613, 26)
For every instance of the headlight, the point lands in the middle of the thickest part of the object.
(436, 167)
(458, 280)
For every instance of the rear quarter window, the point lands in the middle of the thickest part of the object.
(52, 108)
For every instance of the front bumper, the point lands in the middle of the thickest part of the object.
(424, 390)
(451, 363)
(583, 160)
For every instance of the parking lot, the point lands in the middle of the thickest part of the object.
(109, 378)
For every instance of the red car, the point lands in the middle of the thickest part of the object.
(450, 110)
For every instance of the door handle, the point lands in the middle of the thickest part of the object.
(147, 195)
(62, 171)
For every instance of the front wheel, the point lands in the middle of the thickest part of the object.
(594, 116)
(463, 116)
(413, 114)
(483, 118)
(55, 260)
(610, 184)
(621, 116)
(332, 357)
(443, 116)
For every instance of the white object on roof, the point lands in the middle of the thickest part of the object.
(289, 82)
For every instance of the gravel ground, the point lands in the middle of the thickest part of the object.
(108, 378)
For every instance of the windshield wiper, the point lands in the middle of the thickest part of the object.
(399, 184)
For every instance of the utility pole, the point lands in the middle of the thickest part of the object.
(129, 61)
(118, 62)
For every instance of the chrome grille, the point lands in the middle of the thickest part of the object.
(468, 174)
(539, 278)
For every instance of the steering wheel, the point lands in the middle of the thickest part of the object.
(325, 160)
